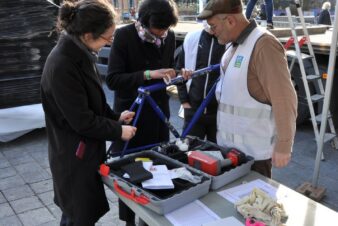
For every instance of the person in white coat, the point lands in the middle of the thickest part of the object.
(200, 49)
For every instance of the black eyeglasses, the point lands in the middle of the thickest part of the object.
(109, 40)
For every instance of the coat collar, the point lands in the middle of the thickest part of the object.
(81, 56)
(151, 50)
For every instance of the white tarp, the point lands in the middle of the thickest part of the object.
(17, 121)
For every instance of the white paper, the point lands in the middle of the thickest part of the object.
(235, 194)
(192, 214)
(147, 165)
(229, 221)
(17, 121)
(173, 174)
(161, 178)
(126, 175)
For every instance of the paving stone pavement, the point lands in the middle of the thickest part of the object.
(26, 189)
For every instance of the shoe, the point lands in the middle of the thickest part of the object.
(269, 26)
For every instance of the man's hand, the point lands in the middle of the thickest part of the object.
(280, 160)
(186, 105)
(126, 116)
(186, 74)
(166, 73)
(128, 132)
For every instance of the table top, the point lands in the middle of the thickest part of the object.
(301, 210)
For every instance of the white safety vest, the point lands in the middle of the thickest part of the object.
(242, 121)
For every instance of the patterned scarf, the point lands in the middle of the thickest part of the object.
(147, 36)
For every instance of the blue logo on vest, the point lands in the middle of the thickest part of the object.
(238, 61)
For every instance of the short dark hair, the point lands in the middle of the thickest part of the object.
(159, 14)
(86, 16)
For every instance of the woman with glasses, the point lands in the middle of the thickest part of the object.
(78, 119)
(142, 54)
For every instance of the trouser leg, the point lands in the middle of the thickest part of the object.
(66, 221)
(263, 167)
(249, 8)
(125, 213)
(269, 10)
(211, 127)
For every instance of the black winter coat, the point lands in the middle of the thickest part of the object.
(75, 109)
(324, 17)
(129, 58)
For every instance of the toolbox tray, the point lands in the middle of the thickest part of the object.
(228, 174)
(161, 201)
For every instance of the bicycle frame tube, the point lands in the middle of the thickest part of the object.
(200, 109)
(144, 95)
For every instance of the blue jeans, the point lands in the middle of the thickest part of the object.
(268, 9)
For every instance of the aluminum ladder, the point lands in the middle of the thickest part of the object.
(311, 189)
(317, 96)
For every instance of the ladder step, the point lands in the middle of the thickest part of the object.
(319, 117)
(317, 97)
(312, 77)
(293, 54)
(328, 137)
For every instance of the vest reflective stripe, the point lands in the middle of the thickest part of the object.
(248, 140)
(245, 112)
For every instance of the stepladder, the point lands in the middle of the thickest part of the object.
(310, 78)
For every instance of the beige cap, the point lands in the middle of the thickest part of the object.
(220, 7)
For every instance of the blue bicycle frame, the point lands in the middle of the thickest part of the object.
(144, 95)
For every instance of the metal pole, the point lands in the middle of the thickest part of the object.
(327, 97)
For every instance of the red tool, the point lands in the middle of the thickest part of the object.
(212, 165)
(104, 170)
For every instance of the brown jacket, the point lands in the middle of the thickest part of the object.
(270, 83)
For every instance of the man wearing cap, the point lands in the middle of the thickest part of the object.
(257, 102)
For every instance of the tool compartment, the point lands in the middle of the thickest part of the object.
(163, 200)
(227, 175)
